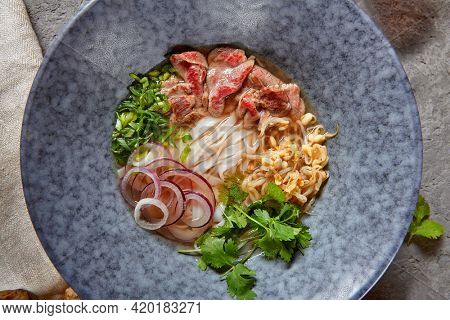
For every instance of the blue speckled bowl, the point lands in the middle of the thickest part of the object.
(339, 57)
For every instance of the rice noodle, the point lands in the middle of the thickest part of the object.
(294, 161)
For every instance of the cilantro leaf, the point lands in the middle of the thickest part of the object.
(282, 231)
(270, 246)
(215, 255)
(273, 248)
(259, 204)
(274, 192)
(289, 212)
(262, 216)
(230, 192)
(236, 194)
(286, 254)
(240, 282)
(422, 210)
(234, 214)
(231, 248)
(429, 229)
(202, 264)
(303, 238)
(270, 224)
(224, 229)
(421, 225)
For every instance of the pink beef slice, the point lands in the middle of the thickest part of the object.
(279, 100)
(191, 66)
(256, 79)
(229, 57)
(247, 108)
(228, 69)
(260, 77)
(184, 104)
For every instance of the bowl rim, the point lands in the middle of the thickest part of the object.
(377, 273)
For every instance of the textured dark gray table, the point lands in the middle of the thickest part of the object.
(419, 30)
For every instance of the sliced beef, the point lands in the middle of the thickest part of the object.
(232, 82)
(176, 89)
(192, 67)
(186, 107)
(256, 79)
(226, 57)
(186, 98)
(260, 77)
(279, 100)
(247, 108)
(184, 111)
(228, 68)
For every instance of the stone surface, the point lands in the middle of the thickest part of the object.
(419, 31)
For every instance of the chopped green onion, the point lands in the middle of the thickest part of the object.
(166, 68)
(185, 153)
(135, 77)
(164, 76)
(187, 137)
(153, 73)
(142, 115)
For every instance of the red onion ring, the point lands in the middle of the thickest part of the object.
(175, 203)
(163, 164)
(138, 183)
(183, 182)
(127, 189)
(184, 233)
(201, 185)
(189, 217)
(149, 192)
(154, 150)
(150, 202)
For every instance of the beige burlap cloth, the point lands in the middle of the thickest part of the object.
(23, 262)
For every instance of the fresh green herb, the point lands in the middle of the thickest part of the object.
(240, 282)
(185, 153)
(274, 193)
(202, 264)
(217, 253)
(142, 115)
(186, 137)
(271, 225)
(422, 225)
(236, 195)
(227, 186)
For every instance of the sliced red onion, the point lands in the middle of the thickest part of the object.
(163, 164)
(121, 172)
(153, 151)
(150, 202)
(126, 186)
(184, 233)
(166, 234)
(175, 201)
(138, 183)
(183, 182)
(200, 184)
(218, 213)
(199, 210)
(149, 192)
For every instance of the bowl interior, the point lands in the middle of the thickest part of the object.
(343, 64)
